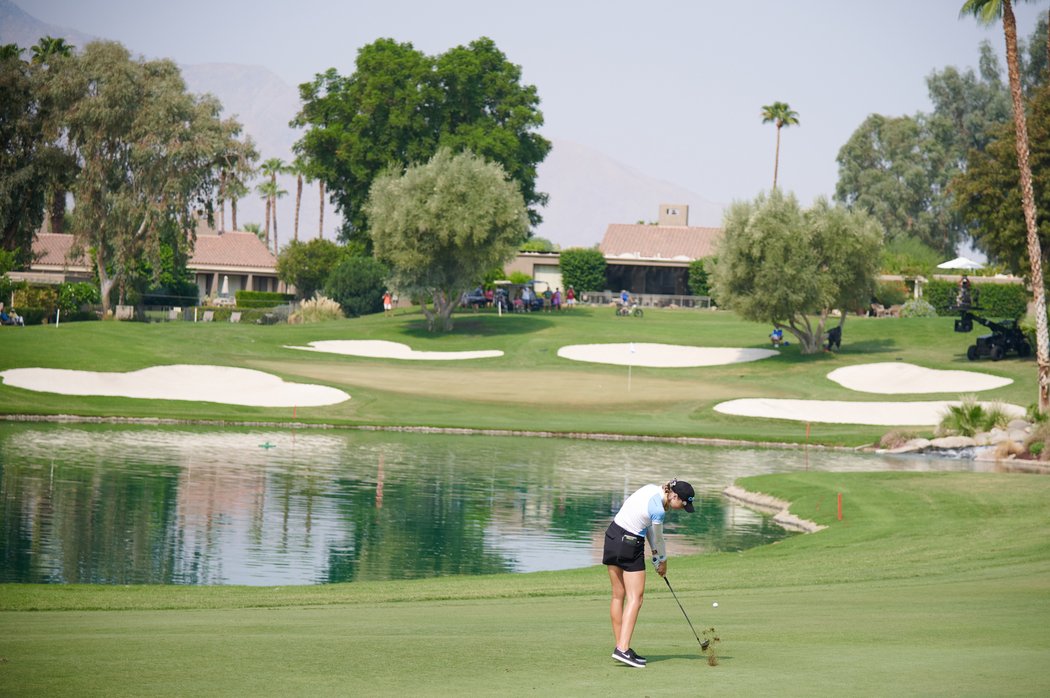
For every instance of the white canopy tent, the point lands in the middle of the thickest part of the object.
(960, 263)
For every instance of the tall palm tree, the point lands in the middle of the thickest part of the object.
(270, 193)
(988, 12)
(264, 189)
(299, 171)
(320, 224)
(271, 168)
(781, 114)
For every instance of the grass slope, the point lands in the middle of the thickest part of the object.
(529, 388)
(931, 584)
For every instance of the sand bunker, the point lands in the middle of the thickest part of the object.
(223, 384)
(661, 355)
(894, 377)
(378, 349)
(924, 414)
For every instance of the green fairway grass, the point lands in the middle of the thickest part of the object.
(529, 388)
(931, 584)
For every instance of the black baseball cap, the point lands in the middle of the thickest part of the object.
(685, 492)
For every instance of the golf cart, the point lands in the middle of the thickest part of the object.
(1006, 336)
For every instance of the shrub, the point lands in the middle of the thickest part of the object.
(73, 296)
(357, 284)
(699, 280)
(317, 309)
(969, 417)
(917, 307)
(520, 277)
(895, 439)
(583, 269)
(891, 292)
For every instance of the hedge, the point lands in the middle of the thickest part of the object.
(996, 300)
(262, 299)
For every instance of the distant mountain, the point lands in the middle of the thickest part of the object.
(588, 189)
(18, 27)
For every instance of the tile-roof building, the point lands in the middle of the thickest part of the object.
(227, 262)
(640, 258)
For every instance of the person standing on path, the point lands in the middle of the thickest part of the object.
(640, 517)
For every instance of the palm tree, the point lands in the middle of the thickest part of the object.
(47, 47)
(9, 51)
(781, 114)
(270, 193)
(988, 12)
(271, 168)
(264, 189)
(320, 224)
(300, 172)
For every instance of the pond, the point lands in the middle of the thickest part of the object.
(109, 504)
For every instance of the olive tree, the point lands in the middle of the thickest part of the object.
(441, 225)
(790, 267)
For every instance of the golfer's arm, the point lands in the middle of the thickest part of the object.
(655, 534)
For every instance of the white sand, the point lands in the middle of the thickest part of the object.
(841, 412)
(223, 384)
(378, 349)
(894, 378)
(661, 355)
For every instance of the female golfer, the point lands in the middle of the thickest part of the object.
(640, 517)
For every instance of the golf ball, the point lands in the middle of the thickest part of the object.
(714, 605)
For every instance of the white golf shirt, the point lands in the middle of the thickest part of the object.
(643, 514)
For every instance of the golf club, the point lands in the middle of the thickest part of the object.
(703, 643)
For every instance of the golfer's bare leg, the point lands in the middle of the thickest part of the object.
(619, 593)
(634, 585)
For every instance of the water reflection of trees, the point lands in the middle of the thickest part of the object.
(85, 523)
(119, 505)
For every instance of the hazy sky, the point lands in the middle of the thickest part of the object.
(673, 89)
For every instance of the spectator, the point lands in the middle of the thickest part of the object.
(777, 337)
(570, 297)
(548, 299)
(556, 299)
(11, 318)
(834, 338)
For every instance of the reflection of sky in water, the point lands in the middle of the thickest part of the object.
(107, 504)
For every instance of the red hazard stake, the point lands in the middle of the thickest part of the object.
(840, 506)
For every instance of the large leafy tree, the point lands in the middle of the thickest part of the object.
(899, 168)
(990, 11)
(147, 152)
(23, 175)
(780, 114)
(791, 268)
(989, 200)
(441, 225)
(892, 168)
(400, 106)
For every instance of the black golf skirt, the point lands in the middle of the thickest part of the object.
(624, 549)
